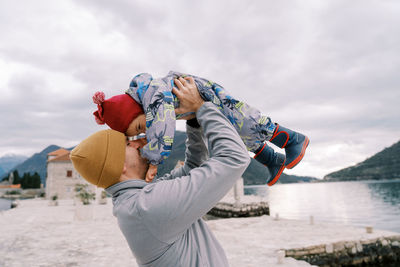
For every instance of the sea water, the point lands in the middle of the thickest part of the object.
(5, 204)
(365, 203)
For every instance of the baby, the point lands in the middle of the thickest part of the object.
(148, 106)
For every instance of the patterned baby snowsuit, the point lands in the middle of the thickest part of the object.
(158, 102)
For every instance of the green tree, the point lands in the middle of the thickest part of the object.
(30, 181)
(84, 194)
(17, 179)
(36, 180)
(24, 180)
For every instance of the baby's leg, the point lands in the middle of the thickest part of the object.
(254, 129)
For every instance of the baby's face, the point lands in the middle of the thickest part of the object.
(137, 126)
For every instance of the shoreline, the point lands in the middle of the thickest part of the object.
(3, 204)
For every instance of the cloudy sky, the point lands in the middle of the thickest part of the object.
(330, 69)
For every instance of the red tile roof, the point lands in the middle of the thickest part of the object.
(64, 157)
(58, 152)
(60, 155)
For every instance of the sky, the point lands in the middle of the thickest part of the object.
(329, 69)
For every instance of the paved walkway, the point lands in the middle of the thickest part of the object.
(36, 234)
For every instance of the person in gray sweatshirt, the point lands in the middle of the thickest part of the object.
(162, 221)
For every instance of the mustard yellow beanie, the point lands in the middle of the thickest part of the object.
(100, 157)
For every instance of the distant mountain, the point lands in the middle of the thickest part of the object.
(36, 163)
(2, 172)
(383, 165)
(9, 161)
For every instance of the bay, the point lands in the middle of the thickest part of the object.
(5, 204)
(361, 203)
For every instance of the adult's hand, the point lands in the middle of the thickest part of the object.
(188, 95)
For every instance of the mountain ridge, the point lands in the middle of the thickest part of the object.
(384, 165)
(9, 161)
(36, 163)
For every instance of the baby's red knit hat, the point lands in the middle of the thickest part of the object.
(117, 112)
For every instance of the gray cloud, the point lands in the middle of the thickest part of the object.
(329, 69)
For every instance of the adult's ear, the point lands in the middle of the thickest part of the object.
(124, 168)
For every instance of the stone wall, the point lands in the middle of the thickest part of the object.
(58, 183)
(228, 210)
(372, 252)
(22, 193)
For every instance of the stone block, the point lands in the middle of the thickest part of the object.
(368, 241)
(383, 251)
(339, 246)
(329, 248)
(395, 238)
(369, 229)
(349, 244)
(316, 249)
(359, 246)
(295, 253)
(290, 252)
(300, 253)
(280, 256)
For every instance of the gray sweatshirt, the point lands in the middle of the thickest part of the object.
(162, 220)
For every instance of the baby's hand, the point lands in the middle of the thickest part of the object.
(151, 173)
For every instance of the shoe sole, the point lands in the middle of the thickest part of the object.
(278, 175)
(292, 164)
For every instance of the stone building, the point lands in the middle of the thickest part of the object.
(61, 175)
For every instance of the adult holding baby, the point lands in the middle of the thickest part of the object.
(154, 98)
(162, 220)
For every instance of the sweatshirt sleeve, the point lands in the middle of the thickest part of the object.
(195, 154)
(169, 207)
